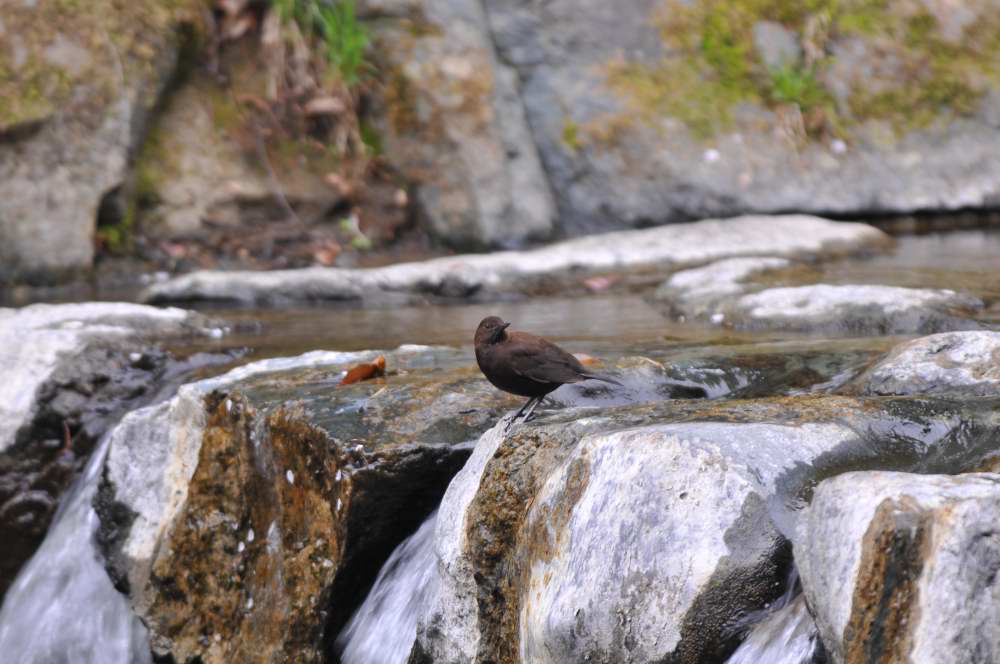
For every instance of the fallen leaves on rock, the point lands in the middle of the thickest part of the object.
(365, 371)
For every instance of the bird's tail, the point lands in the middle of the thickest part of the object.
(602, 377)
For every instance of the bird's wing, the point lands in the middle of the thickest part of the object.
(552, 366)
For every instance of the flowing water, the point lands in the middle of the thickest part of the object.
(784, 633)
(63, 609)
(384, 627)
(786, 636)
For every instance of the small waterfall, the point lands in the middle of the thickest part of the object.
(62, 609)
(384, 627)
(785, 634)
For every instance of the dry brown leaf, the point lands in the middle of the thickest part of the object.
(365, 371)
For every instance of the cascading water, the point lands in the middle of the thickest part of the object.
(785, 635)
(384, 627)
(62, 608)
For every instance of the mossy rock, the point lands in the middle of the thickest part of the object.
(64, 53)
(938, 67)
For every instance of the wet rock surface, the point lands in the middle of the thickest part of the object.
(912, 578)
(272, 494)
(697, 291)
(559, 540)
(959, 364)
(856, 309)
(70, 371)
(489, 275)
(233, 513)
(721, 298)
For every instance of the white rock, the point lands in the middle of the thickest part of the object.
(665, 247)
(716, 279)
(856, 308)
(951, 363)
(39, 340)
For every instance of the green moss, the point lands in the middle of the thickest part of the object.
(32, 88)
(372, 139)
(571, 134)
(711, 65)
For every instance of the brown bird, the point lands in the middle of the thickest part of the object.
(526, 365)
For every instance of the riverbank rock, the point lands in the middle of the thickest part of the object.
(198, 170)
(69, 371)
(559, 265)
(79, 82)
(956, 364)
(454, 124)
(234, 512)
(662, 112)
(647, 533)
(900, 567)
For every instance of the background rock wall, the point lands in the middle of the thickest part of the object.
(512, 122)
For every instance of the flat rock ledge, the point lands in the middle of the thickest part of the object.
(665, 248)
(902, 568)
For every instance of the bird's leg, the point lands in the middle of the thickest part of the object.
(525, 406)
(527, 416)
(518, 413)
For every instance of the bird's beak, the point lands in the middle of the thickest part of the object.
(504, 326)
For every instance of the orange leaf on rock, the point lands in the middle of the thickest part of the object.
(586, 360)
(365, 371)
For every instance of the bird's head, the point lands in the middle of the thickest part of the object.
(491, 330)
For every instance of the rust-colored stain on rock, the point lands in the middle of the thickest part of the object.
(885, 599)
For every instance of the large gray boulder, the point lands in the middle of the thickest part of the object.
(641, 114)
(665, 248)
(957, 364)
(74, 106)
(69, 372)
(257, 497)
(613, 536)
(902, 568)
(455, 125)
